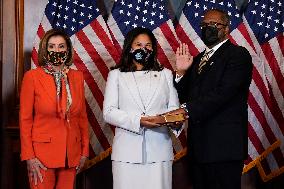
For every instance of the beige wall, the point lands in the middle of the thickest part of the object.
(33, 13)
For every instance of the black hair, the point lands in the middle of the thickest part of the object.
(126, 63)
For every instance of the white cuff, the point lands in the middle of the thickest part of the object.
(178, 78)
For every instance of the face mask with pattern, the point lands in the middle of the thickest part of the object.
(141, 55)
(57, 58)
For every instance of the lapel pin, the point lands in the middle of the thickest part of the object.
(211, 63)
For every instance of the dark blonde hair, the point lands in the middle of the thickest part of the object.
(42, 50)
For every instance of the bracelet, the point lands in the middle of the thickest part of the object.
(184, 107)
(165, 117)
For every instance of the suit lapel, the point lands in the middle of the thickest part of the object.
(73, 88)
(155, 85)
(214, 58)
(195, 75)
(130, 83)
(209, 64)
(48, 84)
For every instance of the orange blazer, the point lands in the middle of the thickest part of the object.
(45, 135)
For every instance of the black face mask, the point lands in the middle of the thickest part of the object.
(141, 55)
(209, 35)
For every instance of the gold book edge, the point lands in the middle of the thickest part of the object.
(172, 118)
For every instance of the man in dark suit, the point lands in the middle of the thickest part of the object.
(214, 87)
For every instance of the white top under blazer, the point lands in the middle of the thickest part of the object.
(127, 96)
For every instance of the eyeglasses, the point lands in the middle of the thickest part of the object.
(214, 24)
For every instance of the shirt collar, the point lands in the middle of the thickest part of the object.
(215, 48)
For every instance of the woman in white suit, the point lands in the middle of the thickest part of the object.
(138, 90)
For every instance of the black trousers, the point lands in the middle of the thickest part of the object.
(220, 175)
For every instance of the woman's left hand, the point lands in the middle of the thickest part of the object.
(81, 164)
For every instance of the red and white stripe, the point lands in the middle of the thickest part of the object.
(186, 34)
(270, 57)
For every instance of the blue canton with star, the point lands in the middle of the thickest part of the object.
(195, 9)
(266, 18)
(130, 14)
(71, 15)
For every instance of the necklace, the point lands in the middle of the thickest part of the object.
(139, 93)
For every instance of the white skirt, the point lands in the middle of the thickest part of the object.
(142, 176)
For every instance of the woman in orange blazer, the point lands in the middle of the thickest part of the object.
(53, 120)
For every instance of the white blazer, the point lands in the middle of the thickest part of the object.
(132, 142)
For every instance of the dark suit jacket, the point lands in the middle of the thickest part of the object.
(217, 101)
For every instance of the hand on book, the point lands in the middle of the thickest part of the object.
(173, 119)
(151, 121)
(178, 111)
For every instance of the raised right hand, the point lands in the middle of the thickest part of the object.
(34, 166)
(183, 59)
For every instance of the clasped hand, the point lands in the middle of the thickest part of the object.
(159, 120)
(151, 121)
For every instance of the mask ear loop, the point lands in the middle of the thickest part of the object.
(45, 60)
(227, 30)
(67, 54)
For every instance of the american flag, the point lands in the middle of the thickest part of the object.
(97, 47)
(128, 14)
(264, 21)
(94, 53)
(260, 30)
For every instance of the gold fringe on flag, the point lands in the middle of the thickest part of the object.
(95, 160)
(257, 163)
(180, 154)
